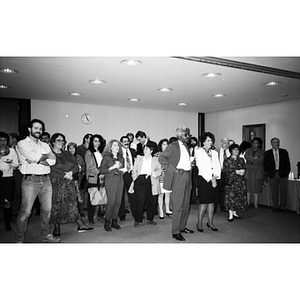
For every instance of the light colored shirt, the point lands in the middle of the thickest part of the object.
(8, 168)
(125, 169)
(276, 158)
(146, 166)
(29, 150)
(208, 166)
(222, 156)
(184, 161)
(99, 158)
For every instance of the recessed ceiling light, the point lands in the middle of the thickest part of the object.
(220, 107)
(219, 95)
(75, 94)
(97, 81)
(131, 62)
(8, 71)
(165, 89)
(134, 100)
(271, 83)
(182, 104)
(4, 86)
(284, 95)
(211, 75)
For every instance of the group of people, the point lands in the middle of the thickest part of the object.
(149, 176)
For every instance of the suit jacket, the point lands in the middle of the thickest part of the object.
(284, 163)
(108, 162)
(254, 163)
(155, 169)
(169, 160)
(140, 148)
(92, 170)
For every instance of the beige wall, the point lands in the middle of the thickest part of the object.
(282, 120)
(110, 122)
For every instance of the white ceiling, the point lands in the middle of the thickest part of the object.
(53, 78)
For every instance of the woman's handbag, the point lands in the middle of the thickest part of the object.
(98, 196)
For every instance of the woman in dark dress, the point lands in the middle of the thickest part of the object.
(64, 197)
(209, 170)
(234, 168)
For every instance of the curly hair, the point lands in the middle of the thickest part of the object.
(102, 143)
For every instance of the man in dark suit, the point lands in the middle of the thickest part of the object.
(277, 167)
(142, 141)
(176, 162)
(129, 155)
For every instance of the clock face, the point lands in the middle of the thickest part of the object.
(87, 118)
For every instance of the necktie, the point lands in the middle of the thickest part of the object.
(128, 161)
(276, 160)
(224, 154)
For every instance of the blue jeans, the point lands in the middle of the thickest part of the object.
(33, 186)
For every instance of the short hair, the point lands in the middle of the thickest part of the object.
(225, 139)
(46, 133)
(140, 134)
(259, 140)
(130, 134)
(5, 135)
(37, 121)
(55, 136)
(85, 137)
(173, 139)
(102, 143)
(275, 138)
(193, 138)
(160, 144)
(243, 146)
(205, 135)
(152, 146)
(124, 137)
(180, 130)
(234, 146)
(107, 148)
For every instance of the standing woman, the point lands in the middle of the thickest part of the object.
(162, 145)
(93, 158)
(78, 177)
(209, 171)
(145, 175)
(255, 170)
(64, 197)
(111, 166)
(8, 162)
(234, 168)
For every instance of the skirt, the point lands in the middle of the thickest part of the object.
(64, 201)
(207, 194)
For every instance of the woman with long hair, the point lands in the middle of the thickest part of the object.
(110, 167)
(93, 158)
(164, 195)
(209, 170)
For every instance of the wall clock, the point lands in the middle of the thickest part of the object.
(86, 118)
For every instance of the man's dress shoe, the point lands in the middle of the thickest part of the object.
(186, 230)
(178, 237)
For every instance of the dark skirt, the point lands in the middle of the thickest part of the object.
(64, 201)
(207, 194)
(7, 189)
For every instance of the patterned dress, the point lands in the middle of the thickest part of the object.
(235, 185)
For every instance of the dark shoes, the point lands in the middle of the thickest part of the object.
(86, 229)
(107, 225)
(199, 229)
(212, 228)
(186, 230)
(114, 224)
(152, 222)
(178, 237)
(169, 215)
(136, 224)
(56, 231)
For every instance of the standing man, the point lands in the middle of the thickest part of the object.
(84, 146)
(223, 154)
(176, 162)
(142, 142)
(36, 158)
(277, 167)
(129, 155)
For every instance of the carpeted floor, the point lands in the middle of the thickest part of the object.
(255, 226)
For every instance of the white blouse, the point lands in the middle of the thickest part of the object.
(208, 166)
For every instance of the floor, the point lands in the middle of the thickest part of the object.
(255, 226)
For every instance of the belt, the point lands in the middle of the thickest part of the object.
(181, 171)
(36, 175)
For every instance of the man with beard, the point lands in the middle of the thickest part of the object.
(176, 162)
(36, 158)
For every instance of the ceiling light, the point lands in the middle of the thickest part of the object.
(211, 75)
(97, 81)
(271, 83)
(258, 100)
(131, 62)
(8, 71)
(182, 104)
(284, 95)
(219, 95)
(134, 100)
(165, 89)
(4, 86)
(75, 94)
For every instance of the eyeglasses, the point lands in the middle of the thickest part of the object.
(60, 141)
